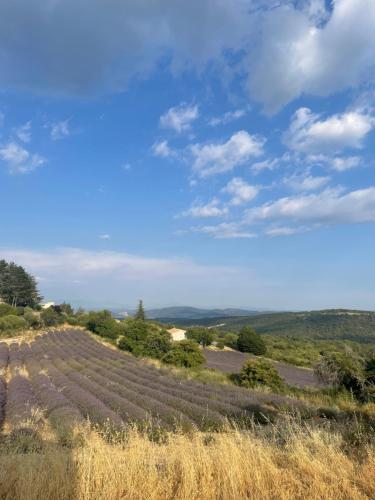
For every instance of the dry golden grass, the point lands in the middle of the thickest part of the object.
(309, 464)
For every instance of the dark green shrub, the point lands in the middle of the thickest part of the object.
(33, 319)
(249, 341)
(95, 319)
(184, 353)
(72, 320)
(220, 344)
(259, 372)
(203, 336)
(108, 328)
(369, 371)
(51, 318)
(135, 329)
(157, 344)
(6, 310)
(230, 340)
(126, 344)
(342, 372)
(12, 323)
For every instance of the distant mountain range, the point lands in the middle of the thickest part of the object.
(195, 313)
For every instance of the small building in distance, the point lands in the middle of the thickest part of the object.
(177, 334)
(46, 305)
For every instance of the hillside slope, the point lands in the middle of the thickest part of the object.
(184, 312)
(326, 324)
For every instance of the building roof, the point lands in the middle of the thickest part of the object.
(176, 330)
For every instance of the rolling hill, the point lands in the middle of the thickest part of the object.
(325, 324)
(195, 313)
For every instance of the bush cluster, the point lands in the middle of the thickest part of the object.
(349, 373)
(258, 372)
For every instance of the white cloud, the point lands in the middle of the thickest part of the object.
(311, 51)
(282, 231)
(227, 117)
(214, 158)
(60, 130)
(104, 236)
(62, 264)
(162, 149)
(331, 206)
(311, 135)
(224, 231)
(269, 164)
(24, 132)
(126, 167)
(241, 191)
(342, 164)
(305, 182)
(179, 118)
(211, 209)
(19, 160)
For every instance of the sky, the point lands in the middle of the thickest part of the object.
(210, 153)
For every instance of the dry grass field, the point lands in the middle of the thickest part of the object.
(82, 421)
(300, 464)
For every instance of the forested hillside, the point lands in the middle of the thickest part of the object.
(326, 324)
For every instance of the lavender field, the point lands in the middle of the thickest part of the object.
(68, 377)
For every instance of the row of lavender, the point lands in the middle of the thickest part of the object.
(70, 377)
(4, 356)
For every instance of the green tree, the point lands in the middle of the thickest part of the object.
(203, 336)
(135, 329)
(249, 341)
(184, 353)
(157, 344)
(17, 287)
(140, 314)
(259, 372)
(230, 340)
(102, 323)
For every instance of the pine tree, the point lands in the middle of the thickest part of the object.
(140, 314)
(17, 287)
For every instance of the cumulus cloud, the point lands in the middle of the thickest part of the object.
(79, 46)
(331, 206)
(342, 164)
(24, 132)
(215, 158)
(311, 135)
(179, 118)
(19, 160)
(227, 117)
(211, 209)
(311, 50)
(241, 191)
(305, 182)
(162, 149)
(224, 231)
(282, 231)
(60, 130)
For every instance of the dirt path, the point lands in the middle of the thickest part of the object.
(232, 361)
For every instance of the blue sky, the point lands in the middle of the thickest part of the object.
(207, 153)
